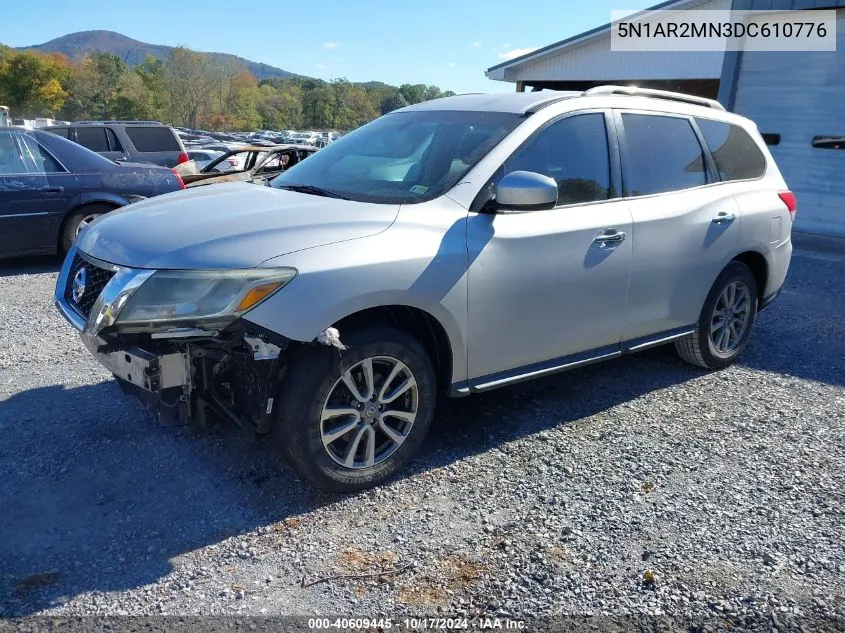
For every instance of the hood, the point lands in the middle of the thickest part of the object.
(235, 225)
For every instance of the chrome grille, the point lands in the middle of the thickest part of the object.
(95, 279)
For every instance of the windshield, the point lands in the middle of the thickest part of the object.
(404, 157)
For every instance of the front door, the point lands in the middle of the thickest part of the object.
(549, 284)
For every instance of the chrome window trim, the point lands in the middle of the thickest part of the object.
(24, 215)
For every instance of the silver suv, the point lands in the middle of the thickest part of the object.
(447, 248)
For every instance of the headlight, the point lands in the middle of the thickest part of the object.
(201, 295)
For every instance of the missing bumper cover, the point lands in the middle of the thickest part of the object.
(149, 371)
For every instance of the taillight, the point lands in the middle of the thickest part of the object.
(183, 158)
(789, 200)
(232, 161)
(179, 179)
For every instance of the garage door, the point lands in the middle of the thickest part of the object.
(800, 97)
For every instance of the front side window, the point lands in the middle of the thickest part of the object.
(402, 157)
(11, 156)
(574, 152)
(663, 155)
(736, 155)
(20, 154)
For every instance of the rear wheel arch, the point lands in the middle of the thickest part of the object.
(71, 218)
(758, 266)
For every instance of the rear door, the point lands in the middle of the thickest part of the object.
(100, 139)
(35, 192)
(686, 225)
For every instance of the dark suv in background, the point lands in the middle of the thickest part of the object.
(127, 141)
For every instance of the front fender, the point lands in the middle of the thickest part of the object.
(420, 265)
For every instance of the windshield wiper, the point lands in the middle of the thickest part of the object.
(315, 191)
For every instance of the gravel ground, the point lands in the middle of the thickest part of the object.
(641, 486)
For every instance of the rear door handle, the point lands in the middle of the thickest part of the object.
(610, 237)
(724, 218)
(54, 190)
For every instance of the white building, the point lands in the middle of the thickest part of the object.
(796, 98)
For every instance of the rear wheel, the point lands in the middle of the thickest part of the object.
(78, 220)
(726, 320)
(351, 419)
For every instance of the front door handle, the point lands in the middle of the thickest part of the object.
(54, 190)
(610, 237)
(724, 218)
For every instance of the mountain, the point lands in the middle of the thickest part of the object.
(77, 45)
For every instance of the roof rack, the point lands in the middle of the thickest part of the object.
(635, 91)
(116, 121)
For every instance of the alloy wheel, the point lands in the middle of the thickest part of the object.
(369, 412)
(731, 315)
(85, 221)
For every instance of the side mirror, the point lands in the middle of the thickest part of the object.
(521, 191)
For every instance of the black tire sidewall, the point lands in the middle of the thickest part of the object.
(313, 372)
(72, 221)
(735, 271)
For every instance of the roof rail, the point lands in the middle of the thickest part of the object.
(117, 121)
(635, 91)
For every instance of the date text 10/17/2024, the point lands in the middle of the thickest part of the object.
(418, 624)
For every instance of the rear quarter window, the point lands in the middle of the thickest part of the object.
(153, 138)
(735, 153)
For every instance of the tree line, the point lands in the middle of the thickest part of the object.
(189, 89)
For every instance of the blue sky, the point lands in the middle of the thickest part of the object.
(444, 42)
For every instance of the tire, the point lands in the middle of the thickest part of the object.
(77, 220)
(706, 347)
(315, 381)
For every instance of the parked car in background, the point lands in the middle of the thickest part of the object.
(249, 164)
(219, 136)
(447, 248)
(128, 141)
(52, 188)
(203, 157)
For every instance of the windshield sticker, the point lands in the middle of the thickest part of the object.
(419, 189)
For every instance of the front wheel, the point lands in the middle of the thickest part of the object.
(350, 419)
(726, 320)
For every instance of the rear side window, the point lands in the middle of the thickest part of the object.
(736, 155)
(663, 154)
(94, 138)
(153, 138)
(59, 131)
(573, 151)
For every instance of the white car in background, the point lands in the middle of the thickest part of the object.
(203, 157)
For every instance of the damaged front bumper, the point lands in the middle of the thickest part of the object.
(234, 371)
